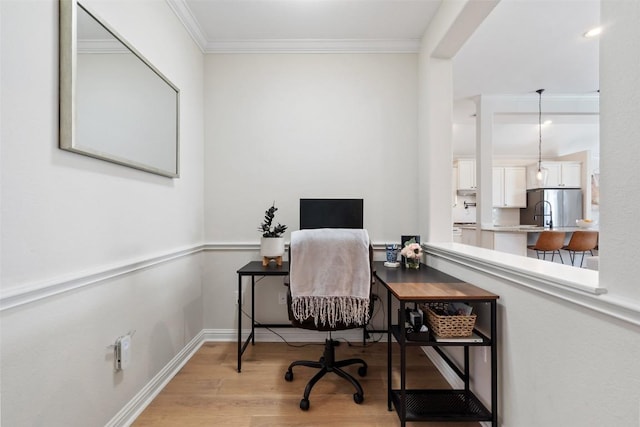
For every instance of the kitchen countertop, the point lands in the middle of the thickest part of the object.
(466, 226)
(533, 229)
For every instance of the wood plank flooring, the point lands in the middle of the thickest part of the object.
(208, 391)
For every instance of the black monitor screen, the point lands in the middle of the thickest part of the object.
(331, 213)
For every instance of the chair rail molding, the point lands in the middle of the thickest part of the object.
(582, 289)
(585, 293)
(27, 294)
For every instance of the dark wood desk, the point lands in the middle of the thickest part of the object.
(253, 269)
(428, 285)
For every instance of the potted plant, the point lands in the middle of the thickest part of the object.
(272, 242)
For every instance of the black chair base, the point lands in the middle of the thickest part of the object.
(327, 363)
(544, 255)
(573, 255)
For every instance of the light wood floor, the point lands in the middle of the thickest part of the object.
(208, 391)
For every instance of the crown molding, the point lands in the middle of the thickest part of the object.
(314, 46)
(182, 11)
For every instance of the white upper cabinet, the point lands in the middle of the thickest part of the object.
(552, 175)
(466, 174)
(558, 174)
(509, 187)
(570, 175)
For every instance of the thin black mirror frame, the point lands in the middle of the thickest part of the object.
(68, 49)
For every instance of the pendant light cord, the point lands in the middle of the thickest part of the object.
(540, 129)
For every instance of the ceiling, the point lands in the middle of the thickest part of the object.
(522, 46)
(306, 25)
(312, 19)
(525, 45)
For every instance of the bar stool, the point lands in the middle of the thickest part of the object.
(549, 241)
(581, 241)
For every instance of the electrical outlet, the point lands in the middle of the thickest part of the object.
(241, 301)
(282, 298)
(122, 352)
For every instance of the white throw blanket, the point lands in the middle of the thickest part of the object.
(330, 275)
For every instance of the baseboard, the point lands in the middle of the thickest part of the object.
(280, 335)
(445, 370)
(128, 414)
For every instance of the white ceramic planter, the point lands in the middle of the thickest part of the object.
(271, 246)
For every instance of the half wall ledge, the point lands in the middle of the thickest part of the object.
(576, 285)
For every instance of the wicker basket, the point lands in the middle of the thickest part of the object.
(449, 326)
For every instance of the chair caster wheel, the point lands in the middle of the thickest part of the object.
(288, 376)
(358, 398)
(304, 404)
(362, 371)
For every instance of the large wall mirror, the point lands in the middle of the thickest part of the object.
(114, 104)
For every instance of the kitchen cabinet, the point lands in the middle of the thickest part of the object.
(469, 236)
(505, 241)
(559, 174)
(567, 175)
(509, 187)
(466, 174)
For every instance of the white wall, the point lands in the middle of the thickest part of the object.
(284, 127)
(66, 217)
(619, 174)
(521, 140)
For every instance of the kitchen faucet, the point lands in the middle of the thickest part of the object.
(550, 214)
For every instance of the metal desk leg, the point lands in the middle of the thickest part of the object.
(466, 368)
(494, 365)
(253, 309)
(389, 367)
(403, 366)
(239, 324)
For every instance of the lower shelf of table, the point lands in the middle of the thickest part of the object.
(441, 405)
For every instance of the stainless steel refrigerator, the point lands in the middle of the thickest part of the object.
(562, 206)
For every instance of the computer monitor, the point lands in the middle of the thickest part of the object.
(331, 213)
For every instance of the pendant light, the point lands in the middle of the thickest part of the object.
(539, 175)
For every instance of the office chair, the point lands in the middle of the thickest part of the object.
(320, 321)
